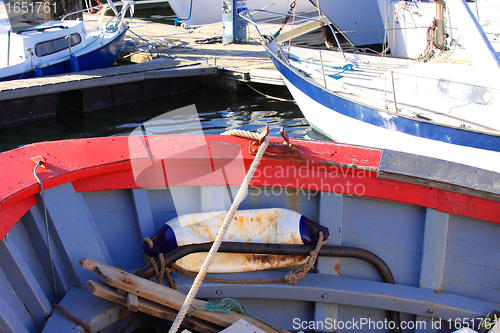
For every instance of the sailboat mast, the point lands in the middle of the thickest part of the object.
(440, 37)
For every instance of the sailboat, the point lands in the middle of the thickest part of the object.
(199, 12)
(441, 103)
(372, 24)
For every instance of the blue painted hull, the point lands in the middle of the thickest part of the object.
(441, 246)
(380, 118)
(100, 58)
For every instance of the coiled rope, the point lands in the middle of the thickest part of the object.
(160, 273)
(220, 236)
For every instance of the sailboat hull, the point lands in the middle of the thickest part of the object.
(345, 120)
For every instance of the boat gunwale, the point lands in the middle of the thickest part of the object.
(109, 167)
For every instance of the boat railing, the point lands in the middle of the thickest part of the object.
(83, 10)
(128, 6)
(474, 95)
(120, 16)
(247, 16)
(103, 8)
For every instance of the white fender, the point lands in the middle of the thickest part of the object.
(273, 225)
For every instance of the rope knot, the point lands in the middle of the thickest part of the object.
(291, 278)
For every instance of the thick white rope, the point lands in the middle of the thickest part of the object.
(222, 232)
(242, 134)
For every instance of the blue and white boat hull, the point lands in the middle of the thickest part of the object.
(101, 57)
(346, 120)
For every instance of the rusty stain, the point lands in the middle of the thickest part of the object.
(276, 149)
(260, 226)
(336, 268)
(237, 262)
(122, 314)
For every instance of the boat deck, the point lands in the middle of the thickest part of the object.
(376, 81)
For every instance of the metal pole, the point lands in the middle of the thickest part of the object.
(440, 22)
(394, 91)
(322, 68)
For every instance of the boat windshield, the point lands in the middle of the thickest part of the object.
(56, 45)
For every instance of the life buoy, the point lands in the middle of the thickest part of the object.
(274, 225)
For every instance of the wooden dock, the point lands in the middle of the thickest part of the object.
(159, 68)
(242, 62)
(178, 59)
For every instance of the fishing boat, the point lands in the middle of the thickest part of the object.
(412, 241)
(199, 12)
(62, 46)
(440, 103)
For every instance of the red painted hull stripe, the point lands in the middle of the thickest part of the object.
(101, 164)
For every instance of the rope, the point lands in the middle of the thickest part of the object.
(292, 277)
(345, 68)
(160, 273)
(293, 23)
(285, 19)
(242, 134)
(268, 96)
(228, 281)
(47, 229)
(220, 236)
(73, 318)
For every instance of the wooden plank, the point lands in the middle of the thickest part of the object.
(132, 302)
(213, 198)
(97, 233)
(433, 257)
(73, 230)
(34, 222)
(13, 213)
(151, 308)
(242, 326)
(354, 292)
(434, 249)
(9, 323)
(142, 211)
(181, 72)
(98, 313)
(25, 284)
(16, 305)
(330, 215)
(161, 294)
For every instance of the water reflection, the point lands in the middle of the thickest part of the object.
(218, 111)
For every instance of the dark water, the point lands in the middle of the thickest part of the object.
(218, 110)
